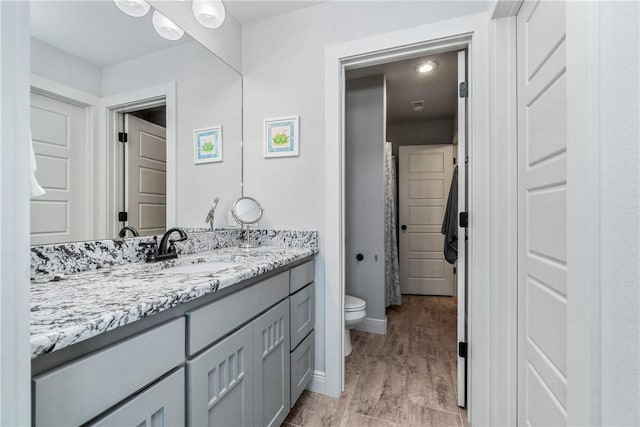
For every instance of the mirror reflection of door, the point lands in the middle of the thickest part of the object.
(58, 132)
(145, 183)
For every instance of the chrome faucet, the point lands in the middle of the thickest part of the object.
(161, 252)
(209, 218)
(123, 231)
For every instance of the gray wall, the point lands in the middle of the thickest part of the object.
(365, 120)
(420, 133)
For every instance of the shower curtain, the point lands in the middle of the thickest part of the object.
(391, 269)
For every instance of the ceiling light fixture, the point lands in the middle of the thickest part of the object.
(135, 8)
(425, 67)
(209, 13)
(165, 27)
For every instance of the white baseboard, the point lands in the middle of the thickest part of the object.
(374, 326)
(318, 382)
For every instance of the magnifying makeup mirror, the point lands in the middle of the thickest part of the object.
(247, 211)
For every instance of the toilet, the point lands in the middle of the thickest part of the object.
(354, 313)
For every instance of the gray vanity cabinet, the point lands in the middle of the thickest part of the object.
(220, 383)
(271, 365)
(160, 405)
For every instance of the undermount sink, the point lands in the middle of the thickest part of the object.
(202, 267)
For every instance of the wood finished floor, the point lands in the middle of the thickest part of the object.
(404, 378)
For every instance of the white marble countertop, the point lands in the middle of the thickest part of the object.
(84, 305)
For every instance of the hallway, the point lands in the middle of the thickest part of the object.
(406, 377)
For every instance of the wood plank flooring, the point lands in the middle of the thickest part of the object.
(404, 378)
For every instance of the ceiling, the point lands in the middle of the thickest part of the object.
(437, 88)
(96, 31)
(246, 11)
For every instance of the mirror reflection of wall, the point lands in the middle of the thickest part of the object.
(93, 70)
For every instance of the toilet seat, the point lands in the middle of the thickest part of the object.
(353, 303)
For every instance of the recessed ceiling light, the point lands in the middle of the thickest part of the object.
(425, 67)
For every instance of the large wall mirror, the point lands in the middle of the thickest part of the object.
(98, 74)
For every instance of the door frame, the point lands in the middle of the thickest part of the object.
(114, 106)
(583, 222)
(468, 32)
(90, 104)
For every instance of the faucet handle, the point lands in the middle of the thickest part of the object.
(153, 249)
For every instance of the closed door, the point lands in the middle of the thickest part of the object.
(425, 178)
(146, 180)
(271, 366)
(542, 214)
(58, 132)
(220, 383)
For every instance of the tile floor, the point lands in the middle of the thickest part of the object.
(404, 378)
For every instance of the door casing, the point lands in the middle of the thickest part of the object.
(469, 32)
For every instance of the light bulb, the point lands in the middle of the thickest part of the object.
(165, 27)
(135, 8)
(425, 67)
(209, 13)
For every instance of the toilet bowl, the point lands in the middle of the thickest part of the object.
(354, 313)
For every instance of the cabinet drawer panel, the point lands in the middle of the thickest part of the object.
(302, 306)
(301, 276)
(302, 362)
(208, 324)
(77, 392)
(160, 405)
(220, 383)
(271, 366)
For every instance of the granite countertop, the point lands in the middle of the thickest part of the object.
(69, 309)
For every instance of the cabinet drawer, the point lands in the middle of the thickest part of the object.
(77, 392)
(302, 361)
(302, 306)
(160, 405)
(211, 322)
(301, 276)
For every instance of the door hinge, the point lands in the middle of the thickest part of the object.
(122, 216)
(464, 219)
(454, 270)
(464, 90)
(462, 349)
(122, 136)
(454, 160)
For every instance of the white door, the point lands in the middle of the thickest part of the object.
(542, 210)
(461, 264)
(58, 132)
(425, 178)
(146, 180)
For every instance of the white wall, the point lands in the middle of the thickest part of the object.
(208, 93)
(619, 232)
(59, 66)
(419, 133)
(284, 74)
(364, 191)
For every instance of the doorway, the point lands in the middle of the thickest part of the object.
(372, 96)
(144, 182)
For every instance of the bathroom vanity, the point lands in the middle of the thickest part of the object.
(231, 346)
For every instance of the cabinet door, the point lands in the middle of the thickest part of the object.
(220, 383)
(161, 405)
(271, 364)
